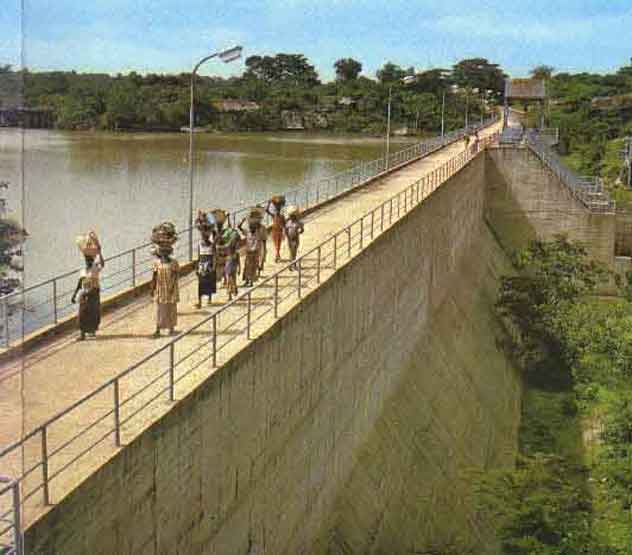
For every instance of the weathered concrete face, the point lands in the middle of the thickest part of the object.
(526, 201)
(352, 424)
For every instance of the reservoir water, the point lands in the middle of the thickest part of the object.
(123, 184)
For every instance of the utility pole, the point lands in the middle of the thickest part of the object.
(627, 161)
(443, 115)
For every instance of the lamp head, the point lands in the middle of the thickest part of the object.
(230, 54)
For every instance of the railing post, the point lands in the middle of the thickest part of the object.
(335, 249)
(248, 315)
(361, 232)
(133, 268)
(117, 414)
(399, 201)
(7, 341)
(44, 448)
(55, 317)
(276, 295)
(17, 519)
(372, 222)
(299, 265)
(382, 218)
(390, 211)
(349, 241)
(172, 393)
(214, 340)
(318, 265)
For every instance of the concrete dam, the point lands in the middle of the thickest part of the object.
(355, 421)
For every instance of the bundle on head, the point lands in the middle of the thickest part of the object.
(205, 222)
(164, 235)
(279, 202)
(89, 244)
(219, 215)
(293, 211)
(255, 216)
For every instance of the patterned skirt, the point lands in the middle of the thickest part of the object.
(251, 266)
(90, 311)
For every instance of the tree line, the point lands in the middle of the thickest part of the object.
(277, 83)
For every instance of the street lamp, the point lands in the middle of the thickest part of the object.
(406, 80)
(226, 56)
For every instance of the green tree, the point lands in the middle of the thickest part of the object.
(479, 73)
(347, 69)
(543, 71)
(389, 73)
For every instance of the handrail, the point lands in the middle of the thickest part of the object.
(589, 191)
(48, 302)
(113, 419)
(11, 535)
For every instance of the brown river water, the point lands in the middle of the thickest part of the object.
(123, 184)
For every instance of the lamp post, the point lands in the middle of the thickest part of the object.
(443, 114)
(226, 56)
(406, 80)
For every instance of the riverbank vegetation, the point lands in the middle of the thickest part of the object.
(571, 490)
(594, 114)
(276, 92)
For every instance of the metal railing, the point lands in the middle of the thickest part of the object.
(589, 191)
(124, 405)
(10, 522)
(48, 302)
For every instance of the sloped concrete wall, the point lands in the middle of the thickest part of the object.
(525, 200)
(263, 456)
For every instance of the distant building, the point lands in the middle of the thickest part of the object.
(525, 89)
(616, 102)
(347, 101)
(28, 118)
(235, 105)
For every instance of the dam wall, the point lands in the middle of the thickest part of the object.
(351, 425)
(526, 201)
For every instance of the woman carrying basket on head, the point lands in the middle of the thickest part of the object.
(164, 283)
(278, 223)
(88, 286)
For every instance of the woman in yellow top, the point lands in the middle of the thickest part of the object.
(164, 289)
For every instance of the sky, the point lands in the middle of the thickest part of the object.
(166, 36)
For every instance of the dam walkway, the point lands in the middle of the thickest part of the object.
(67, 407)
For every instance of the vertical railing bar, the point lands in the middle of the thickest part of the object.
(172, 393)
(55, 317)
(248, 315)
(214, 340)
(44, 448)
(276, 295)
(17, 520)
(117, 414)
(133, 268)
(335, 250)
(318, 265)
(300, 273)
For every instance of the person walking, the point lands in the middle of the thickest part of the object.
(164, 282)
(207, 280)
(88, 287)
(251, 263)
(232, 265)
(278, 223)
(293, 230)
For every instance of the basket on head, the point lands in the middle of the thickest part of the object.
(255, 216)
(293, 210)
(164, 235)
(219, 215)
(89, 244)
(279, 202)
